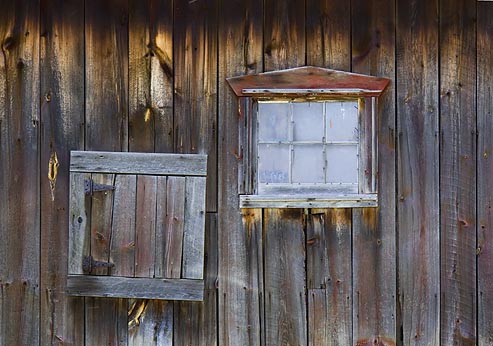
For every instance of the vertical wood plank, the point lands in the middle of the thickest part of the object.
(194, 232)
(19, 173)
(162, 73)
(106, 114)
(122, 245)
(161, 207)
(328, 34)
(317, 314)
(458, 172)
(155, 325)
(328, 261)
(145, 226)
(140, 111)
(373, 52)
(284, 277)
(418, 172)
(101, 204)
(79, 223)
(175, 213)
(485, 173)
(106, 39)
(240, 52)
(284, 34)
(195, 97)
(62, 116)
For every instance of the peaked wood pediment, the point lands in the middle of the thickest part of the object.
(308, 80)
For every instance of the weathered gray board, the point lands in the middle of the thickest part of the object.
(122, 229)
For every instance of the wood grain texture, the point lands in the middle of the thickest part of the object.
(485, 174)
(138, 163)
(373, 53)
(161, 207)
(291, 201)
(106, 75)
(195, 97)
(240, 52)
(175, 214)
(194, 228)
(125, 287)
(145, 226)
(317, 314)
(19, 173)
(328, 261)
(155, 326)
(150, 76)
(284, 34)
(328, 34)
(458, 172)
(284, 277)
(418, 172)
(62, 116)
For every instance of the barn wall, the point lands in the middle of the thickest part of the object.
(150, 76)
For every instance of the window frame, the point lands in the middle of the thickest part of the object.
(308, 84)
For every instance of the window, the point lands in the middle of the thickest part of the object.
(308, 138)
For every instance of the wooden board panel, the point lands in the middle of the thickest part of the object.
(162, 74)
(150, 76)
(328, 34)
(317, 314)
(106, 68)
(193, 230)
(62, 113)
(118, 287)
(153, 326)
(458, 172)
(138, 163)
(79, 234)
(240, 52)
(485, 174)
(373, 53)
(175, 214)
(122, 245)
(145, 226)
(195, 97)
(106, 128)
(284, 34)
(284, 277)
(161, 207)
(328, 261)
(291, 201)
(19, 173)
(418, 172)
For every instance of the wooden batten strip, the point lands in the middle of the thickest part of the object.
(138, 163)
(289, 201)
(144, 288)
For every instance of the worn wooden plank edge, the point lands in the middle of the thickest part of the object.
(287, 201)
(145, 288)
(138, 163)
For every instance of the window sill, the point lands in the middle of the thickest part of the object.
(327, 201)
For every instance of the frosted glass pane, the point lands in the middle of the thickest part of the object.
(308, 121)
(308, 164)
(342, 121)
(342, 163)
(273, 163)
(273, 121)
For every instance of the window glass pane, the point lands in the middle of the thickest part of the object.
(273, 163)
(273, 121)
(308, 164)
(342, 121)
(342, 163)
(308, 121)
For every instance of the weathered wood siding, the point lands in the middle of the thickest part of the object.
(149, 76)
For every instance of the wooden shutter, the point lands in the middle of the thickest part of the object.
(142, 214)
